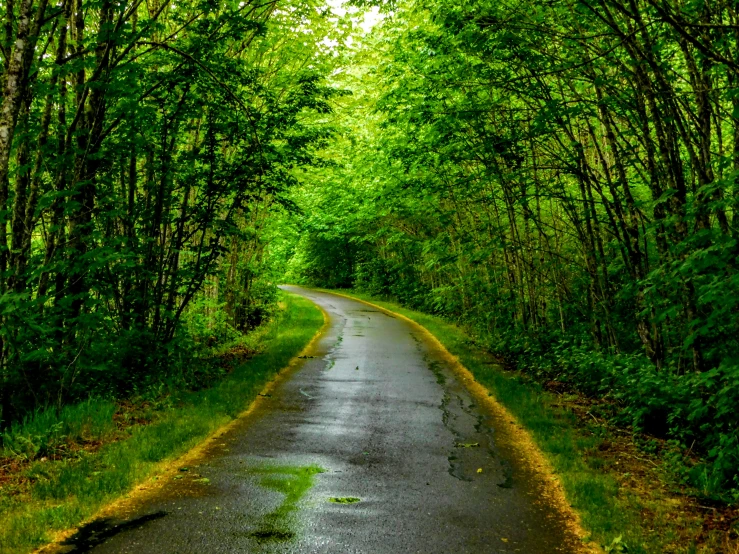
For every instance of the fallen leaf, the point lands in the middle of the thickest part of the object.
(344, 499)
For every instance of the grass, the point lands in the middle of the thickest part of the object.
(54, 495)
(292, 482)
(624, 504)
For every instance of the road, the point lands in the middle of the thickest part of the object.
(374, 420)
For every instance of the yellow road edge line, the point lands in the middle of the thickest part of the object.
(523, 440)
(167, 468)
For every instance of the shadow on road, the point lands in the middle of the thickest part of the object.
(97, 532)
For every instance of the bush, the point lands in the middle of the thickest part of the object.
(697, 411)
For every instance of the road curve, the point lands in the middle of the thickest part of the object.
(376, 418)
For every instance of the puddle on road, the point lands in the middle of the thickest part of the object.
(272, 535)
(435, 368)
(331, 356)
(474, 453)
(370, 311)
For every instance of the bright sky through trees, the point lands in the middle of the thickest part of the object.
(366, 19)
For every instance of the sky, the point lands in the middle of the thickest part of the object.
(371, 18)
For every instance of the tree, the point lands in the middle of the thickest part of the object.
(142, 146)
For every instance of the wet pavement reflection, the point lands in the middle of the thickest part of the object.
(371, 446)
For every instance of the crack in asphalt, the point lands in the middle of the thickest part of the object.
(468, 425)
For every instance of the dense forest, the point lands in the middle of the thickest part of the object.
(142, 146)
(561, 177)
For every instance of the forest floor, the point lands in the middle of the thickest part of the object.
(622, 483)
(108, 448)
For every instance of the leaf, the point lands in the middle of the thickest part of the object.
(344, 499)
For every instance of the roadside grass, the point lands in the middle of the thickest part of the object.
(624, 498)
(108, 458)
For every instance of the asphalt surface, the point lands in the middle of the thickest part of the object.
(388, 424)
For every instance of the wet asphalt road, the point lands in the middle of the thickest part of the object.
(389, 424)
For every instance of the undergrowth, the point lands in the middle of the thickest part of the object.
(693, 412)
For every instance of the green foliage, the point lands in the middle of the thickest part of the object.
(559, 177)
(48, 432)
(328, 261)
(207, 324)
(148, 150)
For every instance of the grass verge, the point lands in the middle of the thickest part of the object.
(47, 496)
(623, 496)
